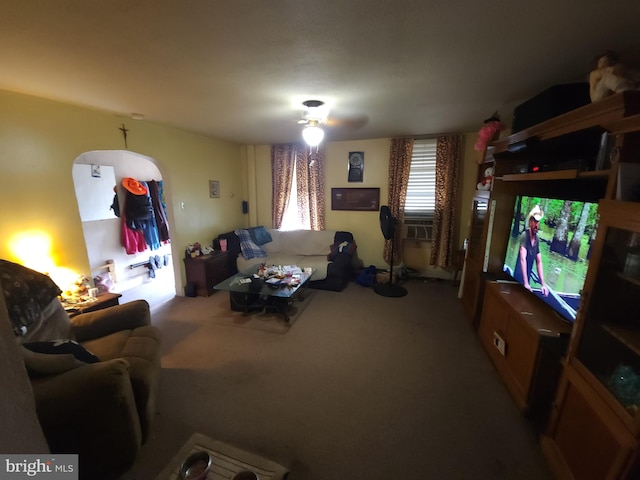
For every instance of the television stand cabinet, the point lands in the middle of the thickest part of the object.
(526, 341)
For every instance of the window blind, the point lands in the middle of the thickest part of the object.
(421, 190)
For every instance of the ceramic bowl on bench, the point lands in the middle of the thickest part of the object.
(246, 475)
(196, 466)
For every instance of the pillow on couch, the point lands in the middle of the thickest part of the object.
(260, 235)
(247, 245)
(343, 247)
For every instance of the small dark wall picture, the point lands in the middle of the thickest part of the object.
(362, 199)
(356, 166)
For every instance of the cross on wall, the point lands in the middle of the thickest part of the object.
(124, 131)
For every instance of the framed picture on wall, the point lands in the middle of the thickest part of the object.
(214, 188)
(363, 199)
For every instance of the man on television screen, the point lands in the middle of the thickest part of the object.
(529, 252)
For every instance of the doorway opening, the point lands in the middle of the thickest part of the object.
(149, 272)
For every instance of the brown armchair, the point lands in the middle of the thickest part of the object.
(101, 411)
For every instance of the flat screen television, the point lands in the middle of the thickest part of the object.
(565, 231)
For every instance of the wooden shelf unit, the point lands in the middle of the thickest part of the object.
(593, 430)
(473, 288)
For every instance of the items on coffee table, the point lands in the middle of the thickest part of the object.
(280, 276)
(276, 288)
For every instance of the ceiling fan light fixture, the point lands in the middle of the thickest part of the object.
(313, 103)
(312, 134)
(315, 110)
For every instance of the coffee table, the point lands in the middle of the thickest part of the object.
(226, 461)
(249, 294)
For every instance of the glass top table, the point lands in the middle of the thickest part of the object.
(249, 292)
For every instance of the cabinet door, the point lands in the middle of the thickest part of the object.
(492, 330)
(218, 269)
(474, 263)
(510, 343)
(585, 440)
(608, 344)
(522, 349)
(208, 270)
(477, 231)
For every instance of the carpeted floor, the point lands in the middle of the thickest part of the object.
(360, 387)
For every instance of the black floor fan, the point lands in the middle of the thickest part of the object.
(388, 226)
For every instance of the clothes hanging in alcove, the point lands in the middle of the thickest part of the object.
(131, 239)
(159, 209)
(144, 216)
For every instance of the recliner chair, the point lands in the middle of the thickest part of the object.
(101, 411)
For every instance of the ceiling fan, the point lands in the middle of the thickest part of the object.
(316, 115)
(316, 111)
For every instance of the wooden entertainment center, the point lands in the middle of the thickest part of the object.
(580, 382)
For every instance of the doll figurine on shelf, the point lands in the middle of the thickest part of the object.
(608, 77)
(489, 131)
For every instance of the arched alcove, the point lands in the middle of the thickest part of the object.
(95, 175)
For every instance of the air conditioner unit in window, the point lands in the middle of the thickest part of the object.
(419, 230)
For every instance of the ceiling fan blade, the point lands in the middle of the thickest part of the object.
(352, 123)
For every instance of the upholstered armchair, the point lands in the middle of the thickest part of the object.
(99, 403)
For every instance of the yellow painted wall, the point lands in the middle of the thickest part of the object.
(39, 141)
(365, 226)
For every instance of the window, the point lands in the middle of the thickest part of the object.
(298, 187)
(421, 190)
(291, 219)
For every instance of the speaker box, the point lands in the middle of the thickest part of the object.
(245, 206)
(550, 103)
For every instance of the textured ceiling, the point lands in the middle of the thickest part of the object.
(239, 69)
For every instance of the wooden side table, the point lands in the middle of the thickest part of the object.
(104, 300)
(206, 271)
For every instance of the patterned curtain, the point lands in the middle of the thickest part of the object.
(283, 158)
(310, 182)
(309, 168)
(444, 221)
(399, 167)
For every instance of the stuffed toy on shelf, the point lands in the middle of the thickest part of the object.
(487, 180)
(489, 132)
(609, 76)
